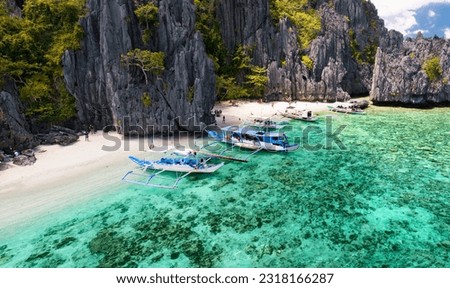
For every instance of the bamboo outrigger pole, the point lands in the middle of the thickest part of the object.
(222, 156)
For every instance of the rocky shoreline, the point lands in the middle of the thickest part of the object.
(24, 157)
(421, 105)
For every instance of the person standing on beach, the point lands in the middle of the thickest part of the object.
(86, 135)
(91, 129)
(223, 119)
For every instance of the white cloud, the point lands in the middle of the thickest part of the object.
(401, 22)
(417, 31)
(447, 33)
(400, 15)
(431, 13)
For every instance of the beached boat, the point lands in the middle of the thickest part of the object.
(183, 166)
(248, 138)
(302, 115)
(265, 124)
(347, 109)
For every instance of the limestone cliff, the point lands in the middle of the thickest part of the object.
(14, 130)
(181, 98)
(343, 53)
(108, 93)
(399, 75)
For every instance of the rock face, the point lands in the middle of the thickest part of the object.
(26, 159)
(15, 7)
(336, 74)
(4, 159)
(109, 94)
(181, 98)
(14, 130)
(58, 135)
(399, 77)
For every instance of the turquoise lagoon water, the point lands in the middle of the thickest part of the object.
(382, 202)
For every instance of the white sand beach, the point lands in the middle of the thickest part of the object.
(243, 110)
(48, 184)
(27, 191)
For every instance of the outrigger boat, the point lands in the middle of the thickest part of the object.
(265, 123)
(347, 109)
(182, 166)
(302, 115)
(245, 137)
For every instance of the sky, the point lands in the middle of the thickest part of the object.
(411, 16)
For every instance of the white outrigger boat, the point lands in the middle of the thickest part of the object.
(245, 137)
(302, 115)
(182, 166)
(265, 123)
(347, 109)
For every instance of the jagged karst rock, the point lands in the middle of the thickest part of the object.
(336, 74)
(108, 93)
(4, 159)
(399, 77)
(4, 166)
(14, 130)
(28, 153)
(25, 159)
(58, 135)
(361, 104)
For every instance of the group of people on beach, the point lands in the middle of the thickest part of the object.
(218, 113)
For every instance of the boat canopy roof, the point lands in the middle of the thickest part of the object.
(252, 132)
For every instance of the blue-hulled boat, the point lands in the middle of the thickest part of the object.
(249, 138)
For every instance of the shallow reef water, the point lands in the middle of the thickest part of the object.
(380, 200)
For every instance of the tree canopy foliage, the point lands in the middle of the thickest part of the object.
(237, 77)
(362, 56)
(147, 61)
(245, 81)
(147, 15)
(433, 68)
(309, 63)
(32, 47)
(306, 20)
(207, 24)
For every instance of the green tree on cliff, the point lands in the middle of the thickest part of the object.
(306, 20)
(147, 61)
(32, 48)
(147, 15)
(433, 68)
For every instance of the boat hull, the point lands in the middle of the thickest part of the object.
(302, 115)
(299, 117)
(184, 168)
(254, 139)
(346, 111)
(251, 145)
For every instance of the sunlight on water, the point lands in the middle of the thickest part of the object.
(383, 202)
